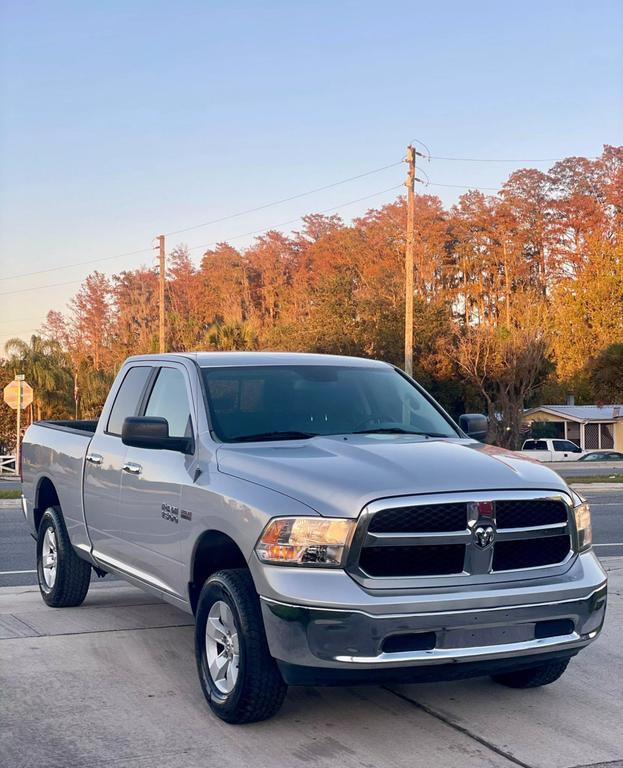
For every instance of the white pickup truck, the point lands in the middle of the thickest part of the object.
(551, 449)
(324, 520)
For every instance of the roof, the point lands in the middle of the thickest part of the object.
(581, 412)
(264, 358)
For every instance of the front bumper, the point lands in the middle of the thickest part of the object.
(426, 637)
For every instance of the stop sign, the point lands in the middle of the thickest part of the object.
(12, 394)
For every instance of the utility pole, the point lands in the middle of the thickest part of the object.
(18, 443)
(162, 277)
(410, 185)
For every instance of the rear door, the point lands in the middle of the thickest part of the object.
(151, 526)
(104, 459)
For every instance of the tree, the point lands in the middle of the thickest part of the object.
(47, 369)
(605, 374)
(135, 326)
(91, 322)
(516, 294)
(587, 310)
(232, 336)
(506, 367)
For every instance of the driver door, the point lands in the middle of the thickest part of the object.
(151, 487)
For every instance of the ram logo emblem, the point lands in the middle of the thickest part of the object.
(484, 536)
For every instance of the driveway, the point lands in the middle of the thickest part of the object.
(113, 683)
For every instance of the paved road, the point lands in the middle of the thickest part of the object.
(113, 683)
(9, 485)
(17, 548)
(587, 468)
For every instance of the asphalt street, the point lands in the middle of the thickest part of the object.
(588, 468)
(17, 548)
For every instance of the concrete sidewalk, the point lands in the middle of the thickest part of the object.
(113, 683)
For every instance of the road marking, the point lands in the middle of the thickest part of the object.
(606, 503)
(616, 544)
(14, 573)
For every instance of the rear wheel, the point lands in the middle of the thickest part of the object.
(533, 677)
(63, 577)
(238, 675)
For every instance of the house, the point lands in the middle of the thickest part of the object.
(591, 427)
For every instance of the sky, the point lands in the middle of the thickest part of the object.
(124, 119)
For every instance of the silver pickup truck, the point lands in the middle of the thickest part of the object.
(324, 520)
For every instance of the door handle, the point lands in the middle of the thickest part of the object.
(132, 468)
(94, 458)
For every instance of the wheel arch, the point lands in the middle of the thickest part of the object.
(45, 496)
(213, 551)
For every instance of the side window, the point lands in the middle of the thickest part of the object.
(529, 445)
(128, 398)
(540, 445)
(566, 445)
(169, 400)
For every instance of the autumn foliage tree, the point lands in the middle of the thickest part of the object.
(513, 292)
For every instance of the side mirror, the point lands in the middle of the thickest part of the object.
(475, 425)
(152, 432)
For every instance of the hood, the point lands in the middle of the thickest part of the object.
(339, 475)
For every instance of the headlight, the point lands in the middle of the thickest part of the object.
(316, 541)
(582, 515)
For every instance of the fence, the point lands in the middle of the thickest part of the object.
(7, 466)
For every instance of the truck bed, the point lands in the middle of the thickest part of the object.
(71, 425)
(56, 450)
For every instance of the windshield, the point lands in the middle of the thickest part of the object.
(280, 402)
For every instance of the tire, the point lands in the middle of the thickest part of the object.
(533, 677)
(252, 688)
(67, 583)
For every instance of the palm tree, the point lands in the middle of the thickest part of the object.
(47, 370)
(232, 336)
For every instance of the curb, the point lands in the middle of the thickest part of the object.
(597, 486)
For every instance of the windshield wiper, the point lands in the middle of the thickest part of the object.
(288, 435)
(397, 431)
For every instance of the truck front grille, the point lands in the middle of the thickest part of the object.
(530, 553)
(529, 514)
(446, 538)
(427, 518)
(433, 560)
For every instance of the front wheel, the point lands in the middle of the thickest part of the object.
(63, 577)
(533, 677)
(238, 675)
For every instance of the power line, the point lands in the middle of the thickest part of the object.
(499, 160)
(288, 199)
(293, 221)
(76, 264)
(41, 287)
(197, 226)
(283, 200)
(234, 237)
(464, 186)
